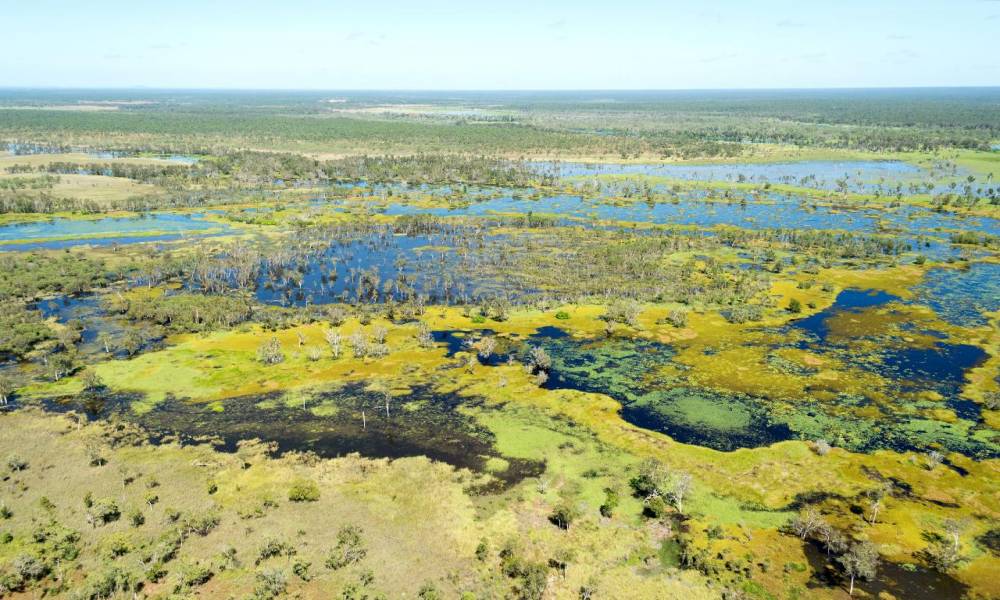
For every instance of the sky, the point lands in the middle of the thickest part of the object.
(499, 45)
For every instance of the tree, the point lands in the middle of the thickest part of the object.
(132, 342)
(806, 523)
(334, 339)
(875, 499)
(270, 352)
(861, 560)
(832, 539)
(6, 390)
(944, 552)
(680, 485)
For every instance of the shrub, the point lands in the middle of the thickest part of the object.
(677, 318)
(303, 490)
(136, 518)
(744, 313)
(202, 524)
(270, 583)
(16, 463)
(274, 547)
(270, 352)
(349, 548)
(103, 511)
(794, 306)
(562, 315)
(564, 514)
(623, 311)
(611, 500)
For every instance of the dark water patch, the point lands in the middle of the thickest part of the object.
(913, 582)
(990, 541)
(330, 423)
(849, 300)
(626, 370)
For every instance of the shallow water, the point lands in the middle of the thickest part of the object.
(330, 423)
(105, 231)
(96, 324)
(893, 580)
(782, 212)
(630, 371)
(816, 173)
(961, 296)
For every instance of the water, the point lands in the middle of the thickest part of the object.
(330, 423)
(817, 174)
(31, 149)
(961, 296)
(781, 212)
(62, 232)
(937, 366)
(632, 371)
(101, 333)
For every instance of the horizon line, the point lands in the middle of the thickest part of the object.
(493, 90)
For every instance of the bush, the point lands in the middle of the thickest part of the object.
(794, 306)
(611, 500)
(202, 524)
(677, 318)
(274, 547)
(564, 514)
(136, 518)
(562, 315)
(623, 311)
(744, 313)
(270, 583)
(103, 511)
(303, 490)
(349, 548)
(16, 463)
(270, 352)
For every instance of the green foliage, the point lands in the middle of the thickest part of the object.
(103, 511)
(274, 547)
(611, 501)
(349, 549)
(270, 352)
(303, 490)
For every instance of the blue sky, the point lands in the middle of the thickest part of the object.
(511, 44)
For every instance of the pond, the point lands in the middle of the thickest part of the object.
(63, 232)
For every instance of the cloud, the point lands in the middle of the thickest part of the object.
(557, 24)
(785, 23)
(897, 36)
